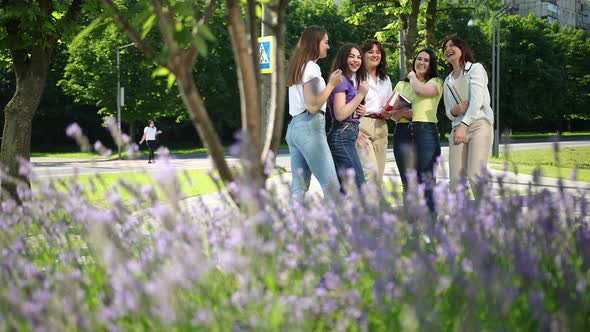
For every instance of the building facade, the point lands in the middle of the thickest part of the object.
(574, 13)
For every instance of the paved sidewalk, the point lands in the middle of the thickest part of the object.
(517, 182)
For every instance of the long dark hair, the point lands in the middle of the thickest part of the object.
(382, 66)
(308, 49)
(432, 65)
(341, 62)
(466, 52)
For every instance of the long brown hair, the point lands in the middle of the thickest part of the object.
(341, 62)
(382, 66)
(308, 49)
(466, 52)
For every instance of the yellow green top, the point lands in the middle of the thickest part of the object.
(424, 107)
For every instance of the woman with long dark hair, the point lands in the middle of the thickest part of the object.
(470, 142)
(346, 106)
(308, 93)
(372, 142)
(416, 145)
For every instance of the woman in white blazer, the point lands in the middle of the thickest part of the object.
(470, 142)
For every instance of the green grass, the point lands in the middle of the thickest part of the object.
(550, 164)
(534, 135)
(68, 155)
(181, 150)
(91, 155)
(192, 183)
(547, 135)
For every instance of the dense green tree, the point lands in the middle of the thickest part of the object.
(575, 47)
(91, 78)
(533, 76)
(30, 30)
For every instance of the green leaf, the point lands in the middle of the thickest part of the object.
(148, 25)
(161, 71)
(141, 17)
(171, 80)
(89, 28)
(205, 32)
(276, 315)
(201, 46)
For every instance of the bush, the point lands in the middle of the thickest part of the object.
(506, 261)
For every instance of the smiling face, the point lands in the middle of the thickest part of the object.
(354, 62)
(373, 57)
(422, 64)
(452, 53)
(324, 47)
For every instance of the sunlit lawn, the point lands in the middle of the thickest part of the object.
(550, 164)
(192, 183)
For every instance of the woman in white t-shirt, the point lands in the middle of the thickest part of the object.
(306, 133)
(149, 136)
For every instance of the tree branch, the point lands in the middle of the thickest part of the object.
(166, 27)
(208, 12)
(133, 34)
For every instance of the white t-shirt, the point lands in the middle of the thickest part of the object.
(296, 100)
(151, 133)
(379, 91)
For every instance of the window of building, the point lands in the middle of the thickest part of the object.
(552, 7)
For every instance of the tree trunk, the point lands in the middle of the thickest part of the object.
(200, 119)
(430, 22)
(248, 82)
(31, 74)
(411, 33)
(247, 79)
(278, 87)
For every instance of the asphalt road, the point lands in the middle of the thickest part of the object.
(44, 167)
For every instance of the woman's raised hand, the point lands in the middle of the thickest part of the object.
(364, 87)
(335, 78)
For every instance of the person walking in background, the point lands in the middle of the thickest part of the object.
(346, 106)
(416, 144)
(373, 130)
(467, 105)
(306, 133)
(149, 136)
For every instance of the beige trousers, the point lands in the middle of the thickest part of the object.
(373, 154)
(470, 158)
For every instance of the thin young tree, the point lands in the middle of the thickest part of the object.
(183, 26)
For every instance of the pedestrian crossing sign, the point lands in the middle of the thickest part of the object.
(266, 46)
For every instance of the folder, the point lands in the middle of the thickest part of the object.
(459, 89)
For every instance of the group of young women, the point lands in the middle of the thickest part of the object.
(356, 94)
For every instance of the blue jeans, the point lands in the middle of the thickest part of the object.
(342, 141)
(306, 136)
(416, 146)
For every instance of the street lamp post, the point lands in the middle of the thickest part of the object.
(119, 101)
(496, 73)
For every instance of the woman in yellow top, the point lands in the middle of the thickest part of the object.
(416, 145)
